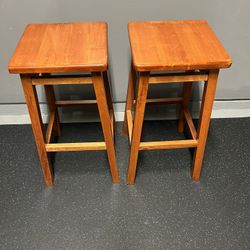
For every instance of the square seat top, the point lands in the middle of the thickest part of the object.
(176, 45)
(61, 47)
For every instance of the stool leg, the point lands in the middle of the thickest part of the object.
(206, 110)
(187, 89)
(108, 90)
(130, 97)
(49, 91)
(106, 123)
(137, 126)
(36, 121)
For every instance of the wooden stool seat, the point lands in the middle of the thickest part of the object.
(48, 49)
(190, 53)
(175, 45)
(68, 47)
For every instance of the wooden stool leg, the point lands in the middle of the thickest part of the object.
(187, 89)
(137, 126)
(108, 90)
(36, 121)
(106, 123)
(206, 110)
(130, 97)
(49, 90)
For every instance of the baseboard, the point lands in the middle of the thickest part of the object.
(18, 114)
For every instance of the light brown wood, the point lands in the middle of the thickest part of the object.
(112, 122)
(167, 144)
(137, 127)
(177, 78)
(108, 90)
(186, 92)
(206, 110)
(172, 100)
(62, 80)
(190, 123)
(176, 45)
(62, 103)
(130, 98)
(45, 55)
(51, 100)
(36, 121)
(50, 127)
(106, 124)
(190, 52)
(61, 47)
(130, 124)
(76, 146)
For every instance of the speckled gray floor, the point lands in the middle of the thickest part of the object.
(164, 210)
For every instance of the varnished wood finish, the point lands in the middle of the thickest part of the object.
(108, 90)
(186, 92)
(51, 100)
(176, 45)
(190, 52)
(112, 122)
(50, 127)
(177, 78)
(190, 124)
(137, 128)
(63, 103)
(206, 110)
(36, 121)
(76, 146)
(46, 55)
(106, 123)
(62, 80)
(172, 100)
(130, 124)
(130, 98)
(168, 144)
(61, 47)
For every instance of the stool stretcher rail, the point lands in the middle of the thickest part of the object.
(168, 144)
(55, 80)
(130, 124)
(50, 126)
(78, 146)
(63, 103)
(190, 123)
(183, 77)
(173, 100)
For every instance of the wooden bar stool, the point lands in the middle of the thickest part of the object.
(45, 50)
(190, 52)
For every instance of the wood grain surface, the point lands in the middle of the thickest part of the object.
(176, 45)
(61, 47)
